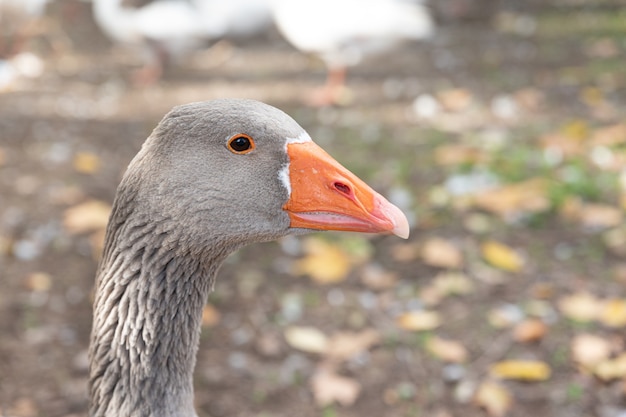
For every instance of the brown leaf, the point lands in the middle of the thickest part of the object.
(441, 253)
(447, 350)
(345, 345)
(39, 282)
(609, 135)
(530, 330)
(459, 154)
(377, 278)
(405, 252)
(530, 196)
(494, 398)
(455, 100)
(523, 370)
(328, 387)
(89, 216)
(210, 316)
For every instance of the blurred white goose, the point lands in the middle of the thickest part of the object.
(17, 19)
(164, 29)
(342, 32)
(170, 29)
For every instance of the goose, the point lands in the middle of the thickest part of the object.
(163, 30)
(342, 32)
(167, 30)
(212, 177)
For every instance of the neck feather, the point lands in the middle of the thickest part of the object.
(150, 292)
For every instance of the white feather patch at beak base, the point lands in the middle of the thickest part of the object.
(283, 173)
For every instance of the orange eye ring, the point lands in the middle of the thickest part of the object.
(241, 144)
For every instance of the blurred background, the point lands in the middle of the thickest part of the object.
(498, 126)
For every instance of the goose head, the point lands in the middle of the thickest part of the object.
(240, 171)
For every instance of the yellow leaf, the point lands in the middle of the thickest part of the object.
(325, 262)
(576, 130)
(494, 398)
(86, 162)
(613, 313)
(524, 370)
(441, 253)
(89, 216)
(307, 339)
(447, 350)
(582, 307)
(419, 320)
(502, 256)
(611, 369)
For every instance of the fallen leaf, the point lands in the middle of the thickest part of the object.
(459, 154)
(441, 253)
(210, 316)
(613, 313)
(328, 387)
(453, 283)
(600, 216)
(307, 339)
(39, 281)
(419, 320)
(582, 307)
(609, 135)
(494, 398)
(501, 256)
(345, 345)
(3, 157)
(531, 330)
(505, 316)
(87, 162)
(447, 350)
(377, 278)
(588, 350)
(511, 200)
(324, 262)
(611, 369)
(455, 99)
(89, 216)
(523, 370)
(405, 252)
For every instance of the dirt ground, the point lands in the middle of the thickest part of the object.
(83, 105)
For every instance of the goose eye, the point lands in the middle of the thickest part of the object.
(241, 144)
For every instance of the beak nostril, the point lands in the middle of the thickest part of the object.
(343, 188)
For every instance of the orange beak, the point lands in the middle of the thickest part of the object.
(326, 196)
